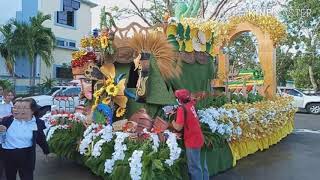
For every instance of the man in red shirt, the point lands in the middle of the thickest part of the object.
(188, 120)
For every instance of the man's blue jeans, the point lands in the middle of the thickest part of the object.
(194, 165)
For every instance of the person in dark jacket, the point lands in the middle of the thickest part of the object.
(23, 132)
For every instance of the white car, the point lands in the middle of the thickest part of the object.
(301, 100)
(62, 97)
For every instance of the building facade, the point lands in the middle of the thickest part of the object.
(70, 21)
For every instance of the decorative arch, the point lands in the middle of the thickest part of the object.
(266, 54)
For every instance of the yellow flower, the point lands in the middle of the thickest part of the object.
(104, 41)
(98, 93)
(94, 42)
(78, 54)
(112, 90)
(107, 100)
(120, 112)
(109, 81)
(121, 100)
(84, 42)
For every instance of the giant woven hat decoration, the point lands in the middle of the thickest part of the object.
(161, 49)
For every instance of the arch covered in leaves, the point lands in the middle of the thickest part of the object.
(269, 33)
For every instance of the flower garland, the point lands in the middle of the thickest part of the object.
(96, 152)
(86, 141)
(118, 153)
(212, 117)
(175, 150)
(89, 129)
(80, 117)
(106, 137)
(135, 165)
(52, 129)
(88, 136)
(155, 139)
(236, 121)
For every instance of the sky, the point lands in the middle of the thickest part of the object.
(111, 3)
(8, 10)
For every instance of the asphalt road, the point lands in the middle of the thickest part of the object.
(297, 157)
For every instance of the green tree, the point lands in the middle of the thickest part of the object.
(29, 39)
(303, 21)
(7, 48)
(6, 84)
(151, 11)
(301, 75)
(40, 42)
(284, 65)
(48, 83)
(242, 53)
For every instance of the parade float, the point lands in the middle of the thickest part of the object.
(123, 131)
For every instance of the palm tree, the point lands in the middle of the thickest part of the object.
(34, 40)
(48, 83)
(7, 49)
(29, 39)
(41, 42)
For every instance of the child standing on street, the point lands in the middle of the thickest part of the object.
(188, 120)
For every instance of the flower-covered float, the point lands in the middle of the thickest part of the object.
(123, 131)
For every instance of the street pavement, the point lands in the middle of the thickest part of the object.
(296, 157)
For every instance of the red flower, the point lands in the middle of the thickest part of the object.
(125, 127)
(53, 122)
(71, 116)
(145, 135)
(156, 130)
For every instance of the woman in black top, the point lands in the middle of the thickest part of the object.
(24, 131)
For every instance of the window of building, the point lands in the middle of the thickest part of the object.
(65, 43)
(72, 44)
(64, 72)
(65, 18)
(60, 43)
(71, 5)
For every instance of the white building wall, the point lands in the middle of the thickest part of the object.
(60, 56)
(3, 67)
(82, 28)
(82, 20)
